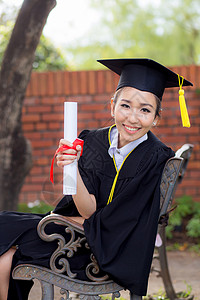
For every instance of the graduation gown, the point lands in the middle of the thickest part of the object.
(121, 234)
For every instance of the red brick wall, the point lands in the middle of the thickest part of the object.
(43, 120)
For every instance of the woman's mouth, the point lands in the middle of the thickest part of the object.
(131, 129)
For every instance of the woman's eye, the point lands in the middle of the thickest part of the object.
(125, 105)
(144, 109)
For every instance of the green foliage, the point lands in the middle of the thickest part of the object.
(164, 31)
(167, 31)
(193, 227)
(35, 207)
(185, 207)
(5, 32)
(161, 295)
(47, 56)
(195, 248)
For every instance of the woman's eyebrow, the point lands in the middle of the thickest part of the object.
(147, 104)
(141, 104)
(125, 100)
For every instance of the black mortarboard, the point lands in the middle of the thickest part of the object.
(146, 75)
(143, 74)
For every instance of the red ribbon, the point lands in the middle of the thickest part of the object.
(77, 142)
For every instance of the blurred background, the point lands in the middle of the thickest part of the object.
(76, 34)
(83, 31)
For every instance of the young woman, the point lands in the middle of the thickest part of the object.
(118, 188)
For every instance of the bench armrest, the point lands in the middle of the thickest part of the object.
(67, 249)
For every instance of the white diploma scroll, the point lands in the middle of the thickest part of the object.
(70, 134)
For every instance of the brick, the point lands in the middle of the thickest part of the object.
(42, 83)
(92, 107)
(40, 144)
(74, 83)
(33, 135)
(195, 165)
(91, 82)
(41, 126)
(67, 89)
(31, 197)
(102, 98)
(43, 161)
(110, 86)
(185, 130)
(100, 81)
(59, 82)
(51, 100)
(93, 124)
(193, 74)
(50, 152)
(28, 127)
(50, 84)
(102, 115)
(191, 191)
(34, 86)
(38, 179)
(80, 99)
(82, 125)
(82, 78)
(52, 117)
(50, 134)
(115, 80)
(30, 118)
(92, 90)
(39, 109)
(83, 115)
(59, 108)
(105, 123)
(54, 125)
(31, 187)
(38, 153)
(30, 101)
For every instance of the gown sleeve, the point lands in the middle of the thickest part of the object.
(122, 234)
(66, 205)
(86, 170)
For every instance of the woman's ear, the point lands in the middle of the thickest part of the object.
(155, 121)
(112, 107)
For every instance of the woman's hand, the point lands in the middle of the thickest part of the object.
(85, 202)
(68, 156)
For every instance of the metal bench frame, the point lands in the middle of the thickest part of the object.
(88, 290)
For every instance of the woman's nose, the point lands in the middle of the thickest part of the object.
(133, 116)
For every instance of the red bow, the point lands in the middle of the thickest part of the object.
(77, 142)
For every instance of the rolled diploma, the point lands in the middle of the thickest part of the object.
(70, 134)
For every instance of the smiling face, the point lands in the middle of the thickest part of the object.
(134, 113)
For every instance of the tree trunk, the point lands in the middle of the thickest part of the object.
(15, 150)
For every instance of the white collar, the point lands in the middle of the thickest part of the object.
(124, 151)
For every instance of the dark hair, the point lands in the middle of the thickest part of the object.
(158, 106)
(158, 101)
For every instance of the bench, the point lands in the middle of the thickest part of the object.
(87, 290)
(185, 153)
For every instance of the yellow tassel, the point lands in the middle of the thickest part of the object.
(183, 108)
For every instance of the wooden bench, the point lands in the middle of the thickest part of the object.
(63, 277)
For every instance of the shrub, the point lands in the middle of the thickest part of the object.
(186, 208)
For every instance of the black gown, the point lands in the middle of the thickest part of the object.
(121, 234)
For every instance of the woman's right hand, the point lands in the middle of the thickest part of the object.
(68, 156)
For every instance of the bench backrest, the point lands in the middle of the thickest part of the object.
(173, 173)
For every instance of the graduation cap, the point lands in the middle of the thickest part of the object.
(147, 75)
